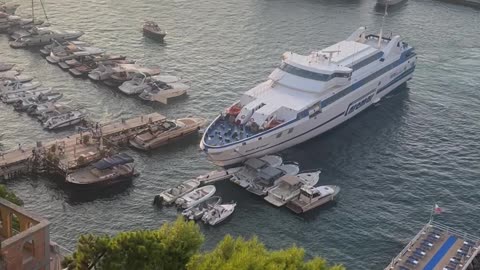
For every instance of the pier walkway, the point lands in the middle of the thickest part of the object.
(76, 150)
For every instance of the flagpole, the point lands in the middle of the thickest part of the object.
(431, 213)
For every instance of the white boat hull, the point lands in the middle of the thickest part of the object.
(307, 128)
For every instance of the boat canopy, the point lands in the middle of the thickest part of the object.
(255, 163)
(269, 174)
(112, 161)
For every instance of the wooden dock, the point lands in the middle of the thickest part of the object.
(77, 150)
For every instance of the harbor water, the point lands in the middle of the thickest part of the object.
(393, 161)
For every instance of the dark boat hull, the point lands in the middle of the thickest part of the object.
(102, 184)
(154, 35)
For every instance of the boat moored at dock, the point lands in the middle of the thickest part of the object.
(312, 197)
(195, 197)
(288, 187)
(64, 120)
(170, 195)
(166, 132)
(44, 37)
(108, 171)
(323, 89)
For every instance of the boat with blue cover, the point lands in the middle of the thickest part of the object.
(108, 171)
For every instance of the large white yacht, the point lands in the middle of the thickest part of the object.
(308, 95)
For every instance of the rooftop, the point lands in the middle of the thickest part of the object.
(437, 247)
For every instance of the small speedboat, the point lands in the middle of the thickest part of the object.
(33, 103)
(170, 195)
(5, 66)
(56, 45)
(13, 76)
(72, 52)
(195, 197)
(159, 89)
(64, 120)
(43, 113)
(11, 87)
(196, 212)
(215, 176)
(108, 171)
(218, 213)
(312, 197)
(136, 85)
(166, 132)
(34, 93)
(44, 37)
(152, 30)
(288, 187)
(268, 177)
(252, 166)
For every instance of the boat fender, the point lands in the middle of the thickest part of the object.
(157, 200)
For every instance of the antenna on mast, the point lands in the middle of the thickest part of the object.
(381, 28)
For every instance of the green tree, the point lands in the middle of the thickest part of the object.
(168, 248)
(239, 254)
(9, 196)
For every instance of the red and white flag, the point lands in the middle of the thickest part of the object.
(437, 210)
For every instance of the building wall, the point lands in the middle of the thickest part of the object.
(25, 239)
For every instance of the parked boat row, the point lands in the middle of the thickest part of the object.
(27, 95)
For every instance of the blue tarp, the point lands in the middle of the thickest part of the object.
(112, 161)
(440, 253)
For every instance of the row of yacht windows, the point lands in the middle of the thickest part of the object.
(362, 82)
(367, 61)
(310, 74)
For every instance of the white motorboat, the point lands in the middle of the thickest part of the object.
(33, 103)
(64, 120)
(196, 212)
(323, 90)
(311, 197)
(195, 197)
(165, 133)
(11, 87)
(72, 52)
(288, 187)
(49, 106)
(215, 176)
(170, 195)
(252, 166)
(161, 91)
(44, 37)
(56, 45)
(268, 177)
(102, 72)
(143, 83)
(14, 76)
(218, 213)
(34, 93)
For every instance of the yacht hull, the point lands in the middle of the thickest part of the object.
(304, 129)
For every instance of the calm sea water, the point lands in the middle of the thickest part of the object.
(392, 162)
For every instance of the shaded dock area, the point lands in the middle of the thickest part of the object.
(63, 155)
(437, 247)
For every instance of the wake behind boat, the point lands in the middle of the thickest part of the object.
(323, 90)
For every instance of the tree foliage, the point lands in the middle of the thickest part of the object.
(168, 248)
(240, 254)
(9, 196)
(175, 246)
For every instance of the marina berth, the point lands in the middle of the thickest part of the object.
(108, 171)
(64, 120)
(218, 213)
(323, 90)
(166, 132)
(267, 178)
(311, 197)
(10, 98)
(170, 195)
(288, 187)
(40, 37)
(195, 197)
(251, 168)
(196, 212)
(164, 87)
